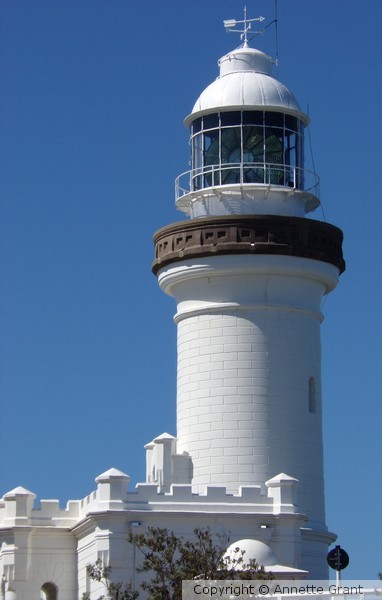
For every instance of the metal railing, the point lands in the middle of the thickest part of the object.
(247, 174)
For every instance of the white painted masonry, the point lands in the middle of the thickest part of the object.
(247, 349)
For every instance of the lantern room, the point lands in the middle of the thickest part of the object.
(247, 145)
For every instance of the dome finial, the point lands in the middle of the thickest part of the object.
(230, 25)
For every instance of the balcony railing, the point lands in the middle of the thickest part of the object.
(247, 174)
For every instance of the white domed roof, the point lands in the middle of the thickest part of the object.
(264, 557)
(254, 550)
(245, 82)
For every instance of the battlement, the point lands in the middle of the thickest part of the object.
(17, 509)
(215, 498)
(17, 506)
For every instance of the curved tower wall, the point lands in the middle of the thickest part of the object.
(249, 370)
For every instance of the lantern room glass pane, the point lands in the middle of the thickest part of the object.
(231, 145)
(211, 157)
(273, 146)
(300, 158)
(211, 148)
(197, 162)
(291, 123)
(253, 144)
(274, 119)
(230, 118)
(210, 121)
(253, 117)
(197, 151)
(274, 156)
(291, 158)
(253, 155)
(231, 152)
(196, 126)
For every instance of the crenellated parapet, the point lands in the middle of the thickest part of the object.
(17, 507)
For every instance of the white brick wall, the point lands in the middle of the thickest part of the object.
(248, 342)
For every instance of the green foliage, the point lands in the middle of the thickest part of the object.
(169, 559)
(115, 591)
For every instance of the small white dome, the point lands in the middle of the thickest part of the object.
(264, 557)
(245, 59)
(245, 82)
(254, 550)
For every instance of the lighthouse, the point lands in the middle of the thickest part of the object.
(248, 270)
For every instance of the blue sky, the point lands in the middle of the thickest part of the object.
(94, 94)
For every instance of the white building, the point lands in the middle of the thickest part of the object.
(248, 272)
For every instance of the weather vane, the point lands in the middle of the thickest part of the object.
(230, 25)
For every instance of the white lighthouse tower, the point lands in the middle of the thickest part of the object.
(248, 272)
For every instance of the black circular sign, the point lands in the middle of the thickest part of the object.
(338, 559)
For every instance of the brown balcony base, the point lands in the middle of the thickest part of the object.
(248, 234)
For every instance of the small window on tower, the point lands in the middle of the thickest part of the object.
(312, 395)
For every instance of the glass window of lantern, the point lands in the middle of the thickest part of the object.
(267, 146)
